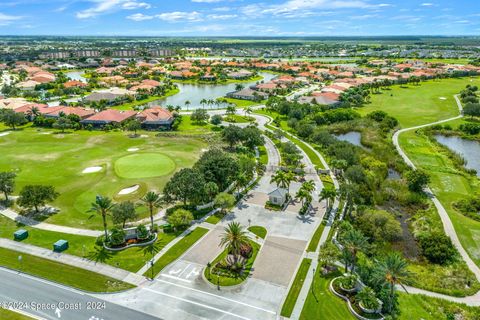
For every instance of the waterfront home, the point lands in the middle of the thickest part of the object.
(109, 116)
(155, 118)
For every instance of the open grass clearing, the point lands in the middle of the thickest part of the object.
(258, 231)
(59, 159)
(177, 250)
(65, 274)
(295, 289)
(416, 105)
(313, 244)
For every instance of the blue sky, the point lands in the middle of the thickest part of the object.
(239, 17)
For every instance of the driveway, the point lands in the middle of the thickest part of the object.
(278, 260)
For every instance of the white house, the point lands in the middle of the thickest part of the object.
(278, 196)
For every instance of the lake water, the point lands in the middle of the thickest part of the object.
(197, 92)
(353, 137)
(468, 149)
(76, 75)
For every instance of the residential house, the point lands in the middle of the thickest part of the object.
(155, 118)
(109, 116)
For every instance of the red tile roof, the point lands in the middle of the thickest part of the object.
(111, 115)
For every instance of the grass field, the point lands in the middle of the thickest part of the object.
(177, 250)
(68, 275)
(258, 231)
(244, 103)
(237, 118)
(313, 244)
(416, 105)
(322, 304)
(11, 315)
(131, 259)
(47, 157)
(263, 159)
(295, 289)
(189, 127)
(449, 184)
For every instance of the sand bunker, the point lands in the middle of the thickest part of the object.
(45, 133)
(443, 98)
(132, 149)
(129, 190)
(92, 169)
(4, 134)
(143, 136)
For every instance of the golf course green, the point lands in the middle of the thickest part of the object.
(144, 165)
(118, 162)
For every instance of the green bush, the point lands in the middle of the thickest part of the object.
(142, 232)
(117, 237)
(437, 248)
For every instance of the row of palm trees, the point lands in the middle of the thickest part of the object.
(104, 206)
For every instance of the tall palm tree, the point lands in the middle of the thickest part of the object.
(187, 104)
(234, 238)
(390, 272)
(354, 241)
(203, 102)
(248, 110)
(308, 186)
(280, 178)
(329, 195)
(152, 200)
(103, 206)
(152, 250)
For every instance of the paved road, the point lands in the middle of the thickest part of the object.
(15, 287)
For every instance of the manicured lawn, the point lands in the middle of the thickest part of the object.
(237, 118)
(11, 315)
(68, 275)
(263, 159)
(231, 281)
(177, 250)
(187, 126)
(296, 287)
(322, 304)
(243, 103)
(258, 231)
(416, 105)
(449, 184)
(131, 259)
(45, 157)
(144, 165)
(215, 218)
(130, 105)
(313, 244)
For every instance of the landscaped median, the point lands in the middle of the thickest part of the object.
(176, 250)
(295, 289)
(221, 272)
(64, 274)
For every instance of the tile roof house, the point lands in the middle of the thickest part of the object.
(155, 117)
(248, 94)
(74, 83)
(99, 96)
(109, 116)
(81, 112)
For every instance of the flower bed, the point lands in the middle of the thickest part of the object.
(353, 306)
(131, 244)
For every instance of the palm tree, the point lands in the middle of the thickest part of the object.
(152, 200)
(308, 186)
(152, 250)
(234, 238)
(248, 110)
(354, 241)
(329, 195)
(203, 102)
(187, 104)
(102, 206)
(390, 272)
(280, 179)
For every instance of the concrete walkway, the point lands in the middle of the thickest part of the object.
(74, 261)
(447, 223)
(48, 226)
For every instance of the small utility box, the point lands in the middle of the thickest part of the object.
(20, 235)
(60, 245)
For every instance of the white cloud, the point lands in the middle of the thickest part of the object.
(139, 17)
(221, 16)
(135, 5)
(106, 6)
(180, 16)
(6, 19)
(427, 4)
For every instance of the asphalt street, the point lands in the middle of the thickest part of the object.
(42, 299)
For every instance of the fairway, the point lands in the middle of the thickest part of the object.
(416, 105)
(60, 159)
(144, 165)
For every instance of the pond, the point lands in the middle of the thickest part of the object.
(468, 149)
(76, 75)
(353, 137)
(197, 92)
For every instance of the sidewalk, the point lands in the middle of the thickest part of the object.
(101, 268)
(48, 226)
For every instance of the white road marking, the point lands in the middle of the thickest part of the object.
(176, 278)
(199, 304)
(217, 296)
